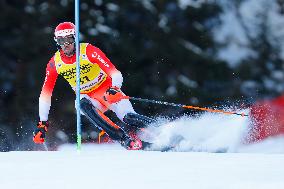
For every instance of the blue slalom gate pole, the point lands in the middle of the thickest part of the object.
(77, 16)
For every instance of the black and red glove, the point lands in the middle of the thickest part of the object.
(113, 95)
(113, 90)
(40, 131)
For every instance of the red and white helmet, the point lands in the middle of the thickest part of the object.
(64, 29)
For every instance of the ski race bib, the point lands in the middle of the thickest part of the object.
(91, 75)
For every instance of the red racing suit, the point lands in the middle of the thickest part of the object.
(97, 74)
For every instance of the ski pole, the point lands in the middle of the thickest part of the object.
(183, 106)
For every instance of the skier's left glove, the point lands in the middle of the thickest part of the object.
(40, 131)
(113, 95)
(113, 90)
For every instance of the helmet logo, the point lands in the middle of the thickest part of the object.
(63, 29)
(62, 33)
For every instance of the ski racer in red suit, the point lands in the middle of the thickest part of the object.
(99, 89)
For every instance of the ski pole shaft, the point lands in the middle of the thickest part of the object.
(155, 101)
(183, 106)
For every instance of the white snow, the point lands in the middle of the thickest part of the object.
(110, 166)
(208, 133)
(117, 168)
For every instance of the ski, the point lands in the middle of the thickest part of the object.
(174, 143)
(147, 146)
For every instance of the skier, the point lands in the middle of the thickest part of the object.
(100, 89)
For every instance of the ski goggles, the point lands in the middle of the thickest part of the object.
(65, 40)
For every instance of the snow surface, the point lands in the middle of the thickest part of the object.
(111, 166)
(207, 133)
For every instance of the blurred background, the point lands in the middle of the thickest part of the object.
(208, 53)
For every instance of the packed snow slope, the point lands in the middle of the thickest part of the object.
(190, 164)
(110, 166)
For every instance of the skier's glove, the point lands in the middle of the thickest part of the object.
(39, 132)
(113, 90)
(113, 95)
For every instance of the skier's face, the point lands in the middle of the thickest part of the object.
(67, 44)
(68, 49)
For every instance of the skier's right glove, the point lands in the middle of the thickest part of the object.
(39, 132)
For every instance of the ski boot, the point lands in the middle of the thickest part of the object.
(134, 144)
(131, 144)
